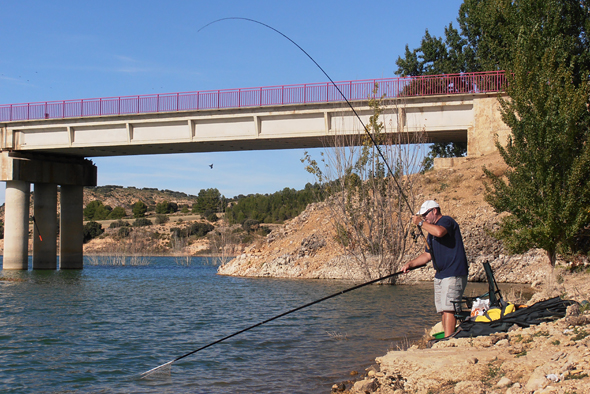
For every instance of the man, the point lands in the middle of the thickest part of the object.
(445, 249)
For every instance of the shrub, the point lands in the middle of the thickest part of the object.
(92, 230)
(123, 232)
(161, 219)
(250, 225)
(212, 218)
(142, 222)
(200, 229)
(119, 223)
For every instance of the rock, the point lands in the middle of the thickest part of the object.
(469, 387)
(365, 386)
(536, 381)
(338, 387)
(504, 382)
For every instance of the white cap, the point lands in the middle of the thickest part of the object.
(426, 206)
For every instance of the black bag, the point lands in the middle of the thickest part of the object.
(543, 311)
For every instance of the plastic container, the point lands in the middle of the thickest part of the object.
(439, 335)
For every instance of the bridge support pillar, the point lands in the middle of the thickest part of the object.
(19, 170)
(16, 226)
(70, 227)
(45, 228)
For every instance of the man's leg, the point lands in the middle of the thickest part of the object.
(449, 321)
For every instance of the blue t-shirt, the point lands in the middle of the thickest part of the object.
(448, 251)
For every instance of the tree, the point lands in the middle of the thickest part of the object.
(209, 199)
(547, 186)
(166, 207)
(117, 213)
(367, 204)
(95, 210)
(139, 209)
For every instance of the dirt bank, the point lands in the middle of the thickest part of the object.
(305, 247)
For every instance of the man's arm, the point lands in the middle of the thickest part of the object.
(433, 229)
(419, 261)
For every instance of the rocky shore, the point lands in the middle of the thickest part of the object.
(547, 358)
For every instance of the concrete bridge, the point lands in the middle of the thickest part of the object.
(47, 143)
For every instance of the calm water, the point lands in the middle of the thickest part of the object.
(97, 329)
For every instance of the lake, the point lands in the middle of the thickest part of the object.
(99, 328)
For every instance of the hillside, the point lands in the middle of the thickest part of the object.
(305, 246)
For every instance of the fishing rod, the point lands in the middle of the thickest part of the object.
(164, 368)
(337, 88)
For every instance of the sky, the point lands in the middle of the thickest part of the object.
(61, 50)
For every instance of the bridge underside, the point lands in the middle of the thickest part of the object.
(228, 146)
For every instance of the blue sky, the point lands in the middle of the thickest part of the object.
(60, 50)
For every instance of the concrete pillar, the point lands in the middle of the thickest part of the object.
(45, 230)
(16, 226)
(70, 227)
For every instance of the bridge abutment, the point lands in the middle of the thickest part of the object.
(46, 173)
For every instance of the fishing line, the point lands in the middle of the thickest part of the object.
(164, 369)
(37, 227)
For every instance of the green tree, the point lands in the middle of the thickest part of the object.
(547, 186)
(166, 207)
(95, 210)
(139, 209)
(209, 199)
(117, 213)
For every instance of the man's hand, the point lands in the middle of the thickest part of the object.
(405, 268)
(416, 219)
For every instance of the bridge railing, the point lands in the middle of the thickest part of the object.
(480, 82)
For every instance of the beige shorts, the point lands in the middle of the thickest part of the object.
(448, 290)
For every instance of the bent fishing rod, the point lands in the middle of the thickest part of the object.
(335, 86)
(169, 363)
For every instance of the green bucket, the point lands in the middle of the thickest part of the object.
(439, 335)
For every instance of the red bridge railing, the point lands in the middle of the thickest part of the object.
(480, 82)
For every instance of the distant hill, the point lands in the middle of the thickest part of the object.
(119, 196)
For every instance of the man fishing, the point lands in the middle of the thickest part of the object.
(446, 251)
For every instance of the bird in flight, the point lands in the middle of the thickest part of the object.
(211, 165)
